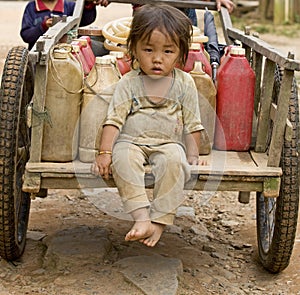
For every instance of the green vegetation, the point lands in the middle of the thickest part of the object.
(266, 27)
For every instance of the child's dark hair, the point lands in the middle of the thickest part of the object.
(168, 20)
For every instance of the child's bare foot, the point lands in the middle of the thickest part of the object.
(152, 240)
(140, 230)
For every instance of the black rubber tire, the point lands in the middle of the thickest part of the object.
(15, 94)
(277, 217)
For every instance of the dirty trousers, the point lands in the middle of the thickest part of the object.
(170, 169)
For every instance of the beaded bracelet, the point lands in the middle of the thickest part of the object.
(104, 152)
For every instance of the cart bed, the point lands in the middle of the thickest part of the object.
(225, 171)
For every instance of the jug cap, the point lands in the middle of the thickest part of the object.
(117, 54)
(87, 38)
(195, 46)
(198, 68)
(236, 50)
(76, 48)
(104, 60)
(83, 42)
(61, 53)
(237, 43)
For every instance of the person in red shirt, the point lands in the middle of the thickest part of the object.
(38, 16)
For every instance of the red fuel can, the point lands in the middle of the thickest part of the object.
(196, 53)
(235, 102)
(87, 50)
(78, 54)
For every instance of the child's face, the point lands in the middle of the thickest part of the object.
(157, 56)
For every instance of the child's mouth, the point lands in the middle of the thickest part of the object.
(157, 70)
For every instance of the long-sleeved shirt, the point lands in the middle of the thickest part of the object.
(35, 14)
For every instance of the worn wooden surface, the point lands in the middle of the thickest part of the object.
(264, 48)
(177, 3)
(265, 106)
(225, 171)
(218, 163)
(38, 115)
(280, 119)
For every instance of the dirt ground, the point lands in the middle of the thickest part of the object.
(215, 239)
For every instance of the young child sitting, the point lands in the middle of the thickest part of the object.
(153, 119)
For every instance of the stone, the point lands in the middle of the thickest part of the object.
(185, 211)
(154, 275)
(76, 247)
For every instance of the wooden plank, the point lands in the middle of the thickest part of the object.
(218, 163)
(78, 9)
(38, 114)
(265, 49)
(288, 133)
(211, 5)
(272, 187)
(203, 185)
(260, 159)
(248, 54)
(258, 58)
(32, 182)
(280, 119)
(226, 24)
(265, 106)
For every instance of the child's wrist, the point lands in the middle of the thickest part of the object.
(103, 152)
(89, 5)
(44, 25)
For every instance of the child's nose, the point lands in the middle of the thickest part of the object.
(157, 57)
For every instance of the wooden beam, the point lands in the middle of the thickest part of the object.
(265, 49)
(280, 119)
(265, 106)
(211, 5)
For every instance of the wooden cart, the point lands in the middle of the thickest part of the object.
(270, 168)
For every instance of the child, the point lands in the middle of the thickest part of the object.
(153, 118)
(37, 16)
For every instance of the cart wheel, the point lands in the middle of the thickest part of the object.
(277, 217)
(15, 93)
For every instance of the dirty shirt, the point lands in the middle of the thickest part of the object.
(143, 122)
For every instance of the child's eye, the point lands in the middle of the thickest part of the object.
(148, 49)
(168, 51)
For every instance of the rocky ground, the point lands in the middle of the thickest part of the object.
(76, 246)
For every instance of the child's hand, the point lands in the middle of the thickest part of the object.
(101, 2)
(101, 166)
(48, 22)
(227, 3)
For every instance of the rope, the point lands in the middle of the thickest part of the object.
(43, 115)
(56, 77)
(90, 87)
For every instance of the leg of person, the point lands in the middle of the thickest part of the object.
(171, 171)
(128, 172)
(191, 14)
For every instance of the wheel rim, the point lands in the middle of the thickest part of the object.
(267, 221)
(22, 200)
